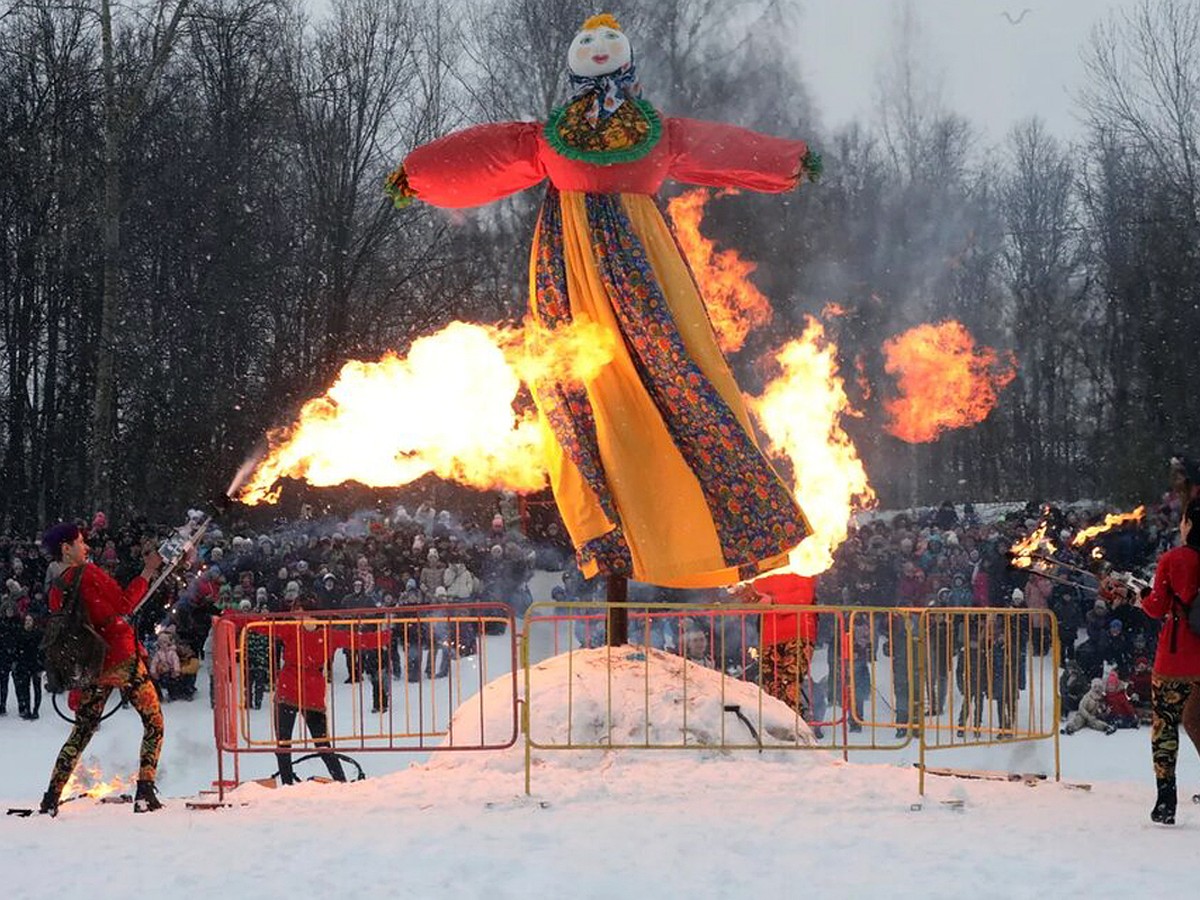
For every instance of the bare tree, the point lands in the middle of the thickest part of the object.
(124, 102)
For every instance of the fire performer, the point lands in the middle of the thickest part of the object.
(653, 463)
(124, 666)
(1175, 682)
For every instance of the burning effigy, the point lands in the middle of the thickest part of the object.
(653, 458)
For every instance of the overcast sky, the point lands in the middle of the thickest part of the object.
(994, 73)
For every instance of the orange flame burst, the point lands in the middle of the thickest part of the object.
(801, 414)
(1022, 551)
(944, 380)
(88, 781)
(1111, 521)
(446, 408)
(734, 304)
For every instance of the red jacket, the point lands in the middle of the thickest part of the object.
(300, 681)
(106, 604)
(787, 590)
(1178, 575)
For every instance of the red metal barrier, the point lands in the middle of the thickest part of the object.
(269, 666)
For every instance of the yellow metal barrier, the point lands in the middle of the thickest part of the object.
(864, 678)
(989, 676)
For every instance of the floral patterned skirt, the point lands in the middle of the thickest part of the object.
(654, 463)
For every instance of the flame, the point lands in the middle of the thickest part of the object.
(860, 375)
(832, 310)
(88, 781)
(734, 304)
(1112, 520)
(944, 380)
(446, 408)
(801, 414)
(1022, 551)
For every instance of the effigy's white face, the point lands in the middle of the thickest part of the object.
(598, 51)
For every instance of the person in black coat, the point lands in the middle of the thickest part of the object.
(10, 628)
(27, 669)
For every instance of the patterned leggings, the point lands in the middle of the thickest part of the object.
(135, 686)
(1173, 703)
(784, 669)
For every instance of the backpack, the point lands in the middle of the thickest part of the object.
(73, 650)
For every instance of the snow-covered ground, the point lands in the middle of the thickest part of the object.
(695, 823)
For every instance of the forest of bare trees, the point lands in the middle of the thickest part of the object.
(193, 235)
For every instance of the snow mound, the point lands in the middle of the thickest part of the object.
(626, 700)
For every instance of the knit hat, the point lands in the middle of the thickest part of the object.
(245, 605)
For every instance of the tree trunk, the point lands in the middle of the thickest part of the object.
(104, 408)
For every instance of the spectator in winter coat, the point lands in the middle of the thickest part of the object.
(1092, 712)
(1036, 594)
(458, 581)
(27, 667)
(1120, 710)
(10, 627)
(1072, 685)
(189, 668)
(1176, 680)
(164, 663)
(432, 574)
(961, 594)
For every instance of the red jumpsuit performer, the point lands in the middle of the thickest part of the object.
(788, 638)
(1175, 683)
(124, 664)
(308, 648)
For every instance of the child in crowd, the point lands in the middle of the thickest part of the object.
(1092, 712)
(1120, 710)
(164, 664)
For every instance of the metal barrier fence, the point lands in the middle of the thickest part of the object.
(999, 668)
(863, 678)
(407, 672)
(859, 678)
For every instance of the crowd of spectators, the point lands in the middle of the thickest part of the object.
(945, 557)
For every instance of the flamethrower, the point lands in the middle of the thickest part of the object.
(181, 542)
(1139, 586)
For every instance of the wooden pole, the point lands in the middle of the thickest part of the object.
(618, 616)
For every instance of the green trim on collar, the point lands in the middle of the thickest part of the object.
(605, 157)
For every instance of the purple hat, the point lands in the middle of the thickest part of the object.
(57, 535)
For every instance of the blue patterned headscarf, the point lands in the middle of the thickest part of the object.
(608, 92)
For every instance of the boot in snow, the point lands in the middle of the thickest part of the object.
(146, 798)
(1164, 809)
(49, 805)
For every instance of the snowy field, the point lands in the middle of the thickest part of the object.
(602, 824)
